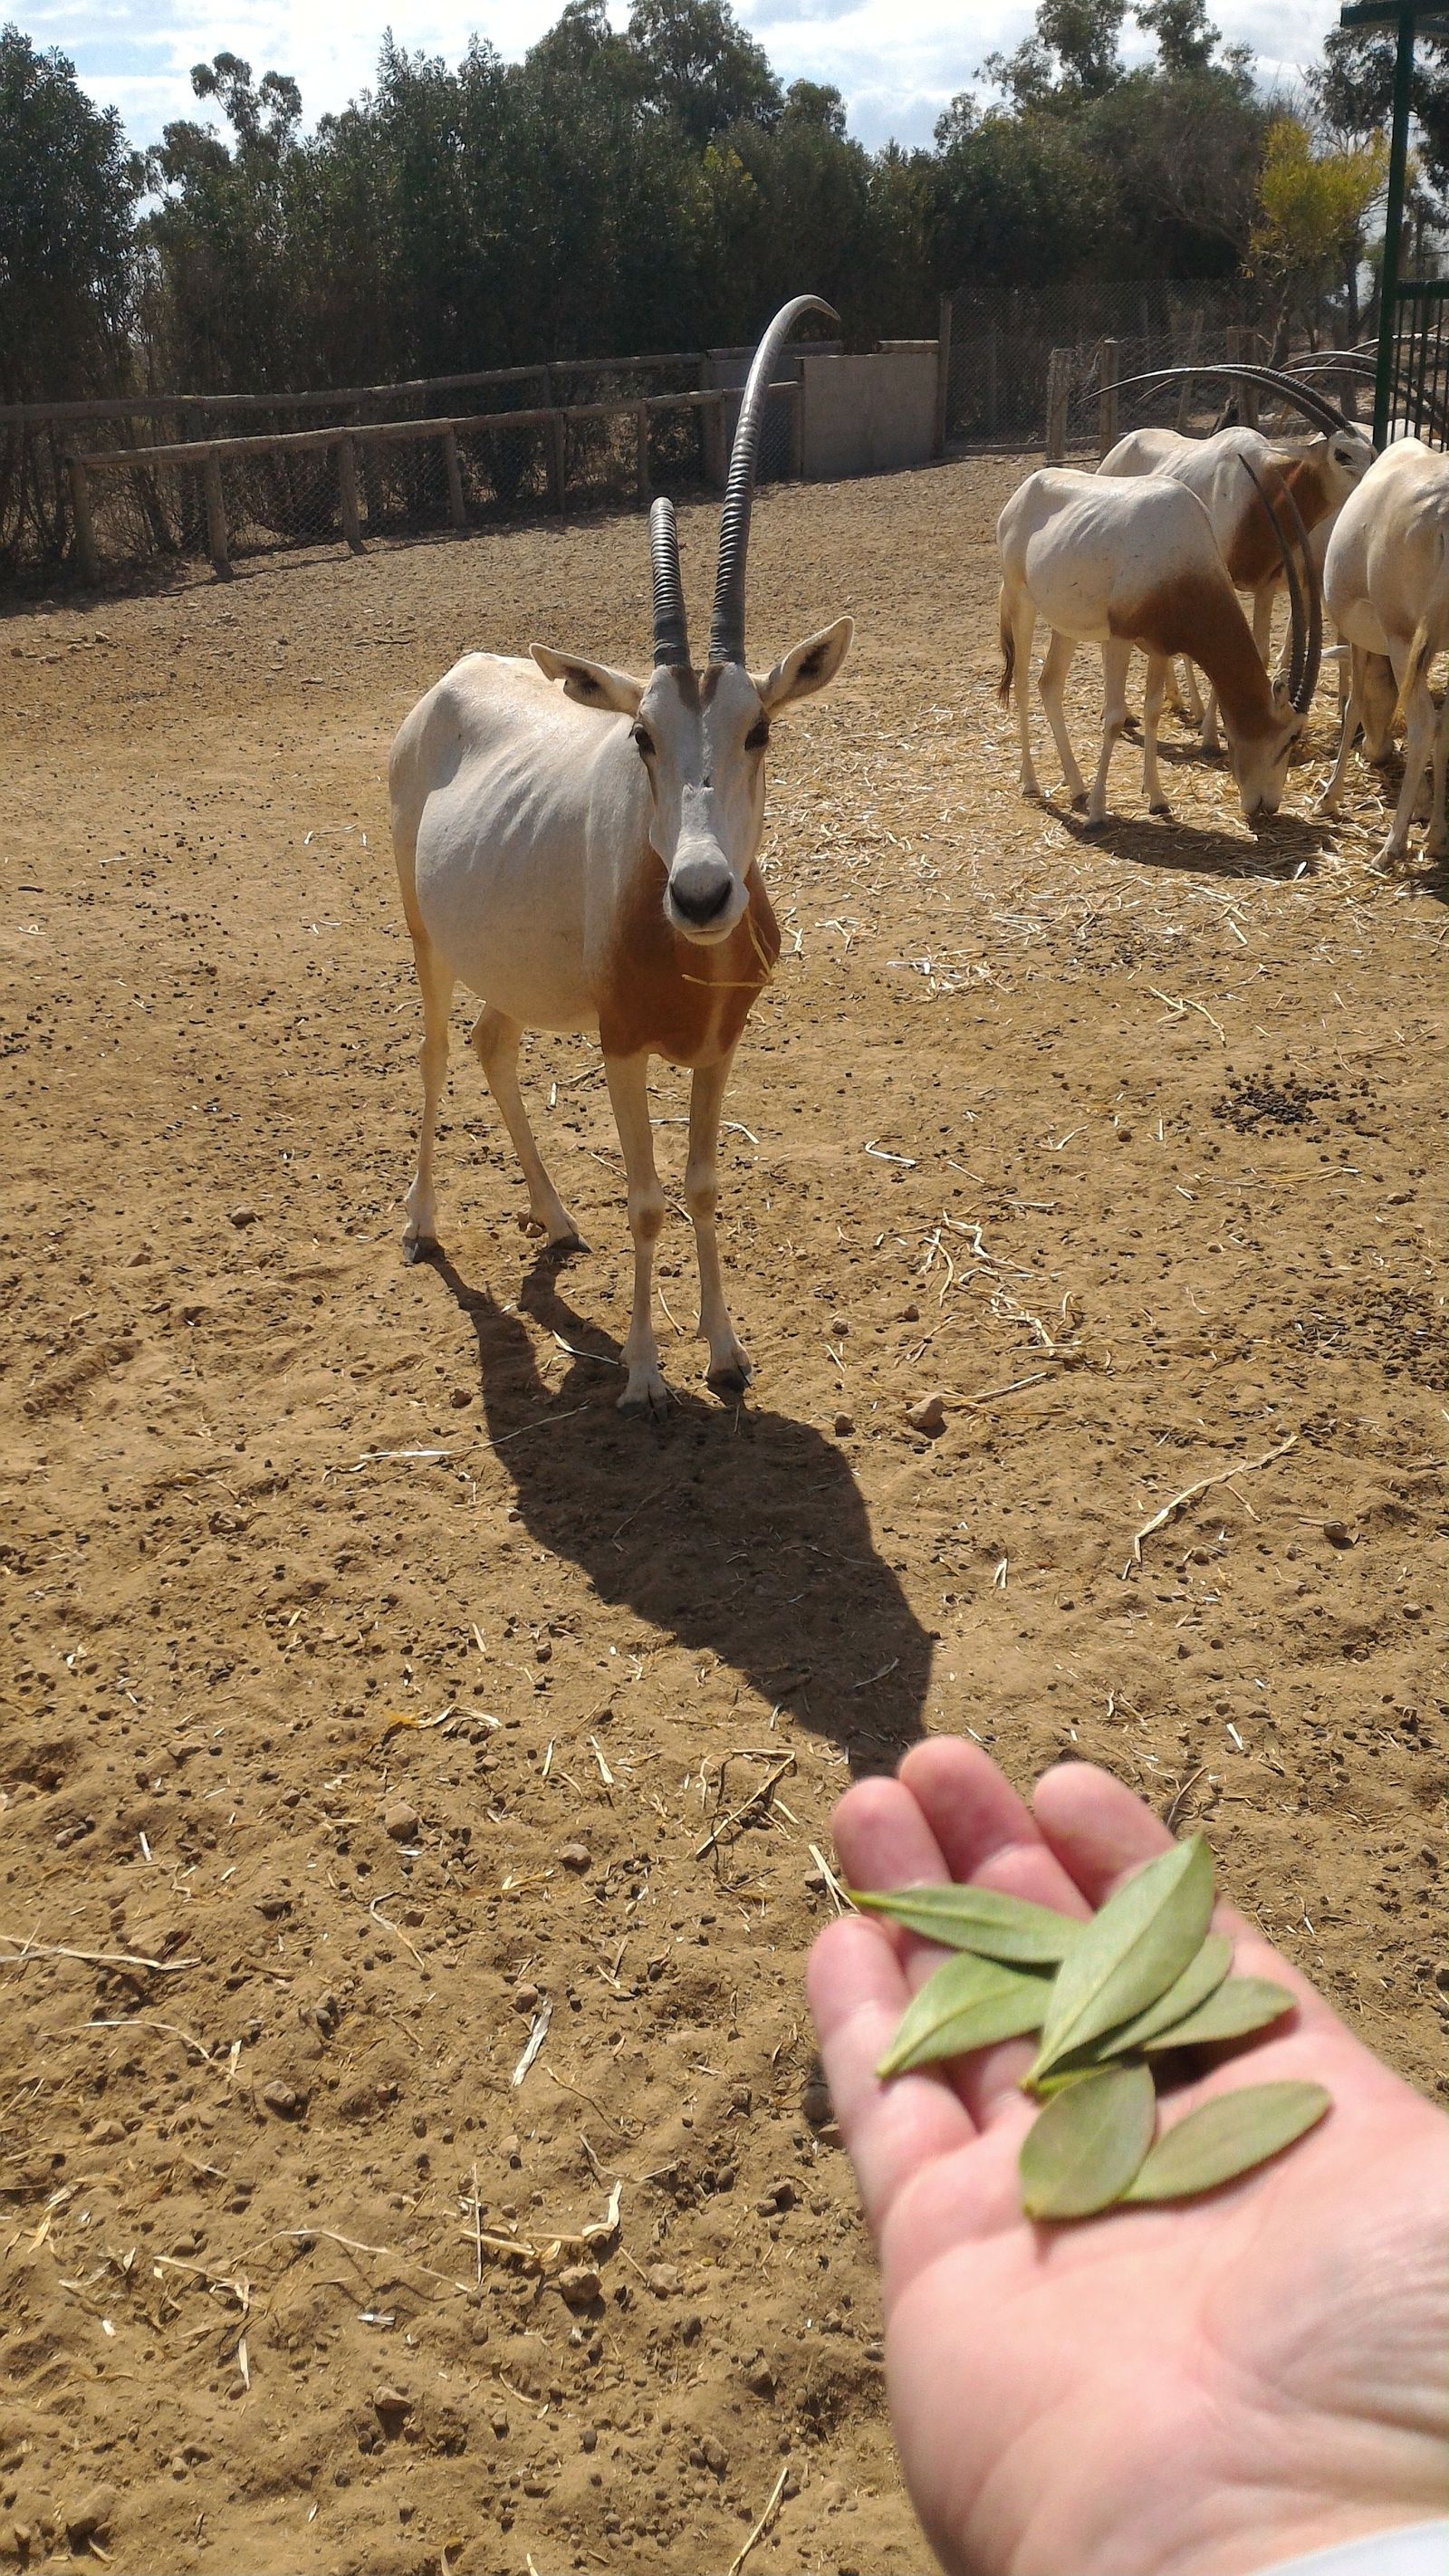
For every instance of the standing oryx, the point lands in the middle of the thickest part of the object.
(1386, 582)
(584, 856)
(1320, 472)
(1133, 562)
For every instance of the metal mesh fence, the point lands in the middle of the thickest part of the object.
(1001, 345)
(326, 470)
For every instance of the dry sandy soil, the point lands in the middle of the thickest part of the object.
(367, 1672)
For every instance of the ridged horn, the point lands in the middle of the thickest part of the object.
(727, 624)
(1306, 622)
(671, 632)
(1289, 389)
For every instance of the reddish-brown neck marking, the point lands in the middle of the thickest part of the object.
(669, 995)
(1253, 557)
(1200, 616)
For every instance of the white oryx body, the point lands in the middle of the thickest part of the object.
(578, 847)
(1386, 583)
(1127, 562)
(1319, 471)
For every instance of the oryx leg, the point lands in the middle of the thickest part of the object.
(628, 1079)
(494, 1040)
(435, 982)
(1156, 690)
(1051, 680)
(1419, 747)
(1023, 627)
(729, 1370)
(1437, 840)
(1326, 801)
(1190, 697)
(1115, 659)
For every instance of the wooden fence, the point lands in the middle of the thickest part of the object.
(207, 457)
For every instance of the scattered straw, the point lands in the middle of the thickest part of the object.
(1190, 1493)
(763, 2525)
(27, 1950)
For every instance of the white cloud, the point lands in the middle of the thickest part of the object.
(897, 62)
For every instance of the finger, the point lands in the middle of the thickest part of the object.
(985, 1833)
(884, 1840)
(988, 1838)
(857, 1994)
(1101, 1832)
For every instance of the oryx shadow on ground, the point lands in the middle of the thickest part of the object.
(737, 1530)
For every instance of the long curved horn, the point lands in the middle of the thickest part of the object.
(671, 634)
(1290, 389)
(1306, 651)
(727, 624)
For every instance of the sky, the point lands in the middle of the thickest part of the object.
(898, 63)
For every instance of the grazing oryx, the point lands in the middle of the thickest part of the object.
(1133, 562)
(583, 855)
(1386, 582)
(1320, 472)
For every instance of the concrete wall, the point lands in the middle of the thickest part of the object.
(868, 415)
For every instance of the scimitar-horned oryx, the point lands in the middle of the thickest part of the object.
(579, 847)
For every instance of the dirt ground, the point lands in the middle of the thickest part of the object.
(374, 1693)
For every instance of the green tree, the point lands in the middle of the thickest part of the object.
(699, 64)
(68, 192)
(1314, 200)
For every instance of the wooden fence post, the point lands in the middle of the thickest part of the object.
(641, 452)
(217, 541)
(1244, 394)
(1107, 405)
(347, 489)
(457, 515)
(796, 401)
(85, 526)
(943, 372)
(1185, 392)
(712, 440)
(556, 459)
(1060, 367)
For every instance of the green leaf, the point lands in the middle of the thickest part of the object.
(1243, 2004)
(977, 1918)
(1225, 2138)
(1131, 1952)
(1199, 1979)
(968, 2003)
(1081, 2153)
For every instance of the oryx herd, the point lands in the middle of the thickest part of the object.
(1150, 553)
(578, 846)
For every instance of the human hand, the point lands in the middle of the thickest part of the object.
(1194, 2390)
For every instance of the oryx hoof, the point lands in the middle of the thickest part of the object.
(645, 1400)
(573, 1241)
(1079, 801)
(1162, 808)
(732, 1377)
(419, 1247)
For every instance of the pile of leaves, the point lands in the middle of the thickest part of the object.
(1111, 1999)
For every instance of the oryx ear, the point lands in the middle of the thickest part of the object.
(592, 683)
(811, 666)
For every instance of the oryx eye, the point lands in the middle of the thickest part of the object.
(758, 735)
(644, 742)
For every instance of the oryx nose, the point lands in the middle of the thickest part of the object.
(701, 889)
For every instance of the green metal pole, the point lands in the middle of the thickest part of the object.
(1393, 224)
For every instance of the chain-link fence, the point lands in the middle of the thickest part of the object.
(1002, 342)
(121, 487)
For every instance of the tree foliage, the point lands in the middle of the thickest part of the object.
(618, 189)
(68, 191)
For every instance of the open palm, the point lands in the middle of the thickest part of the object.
(1208, 2386)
